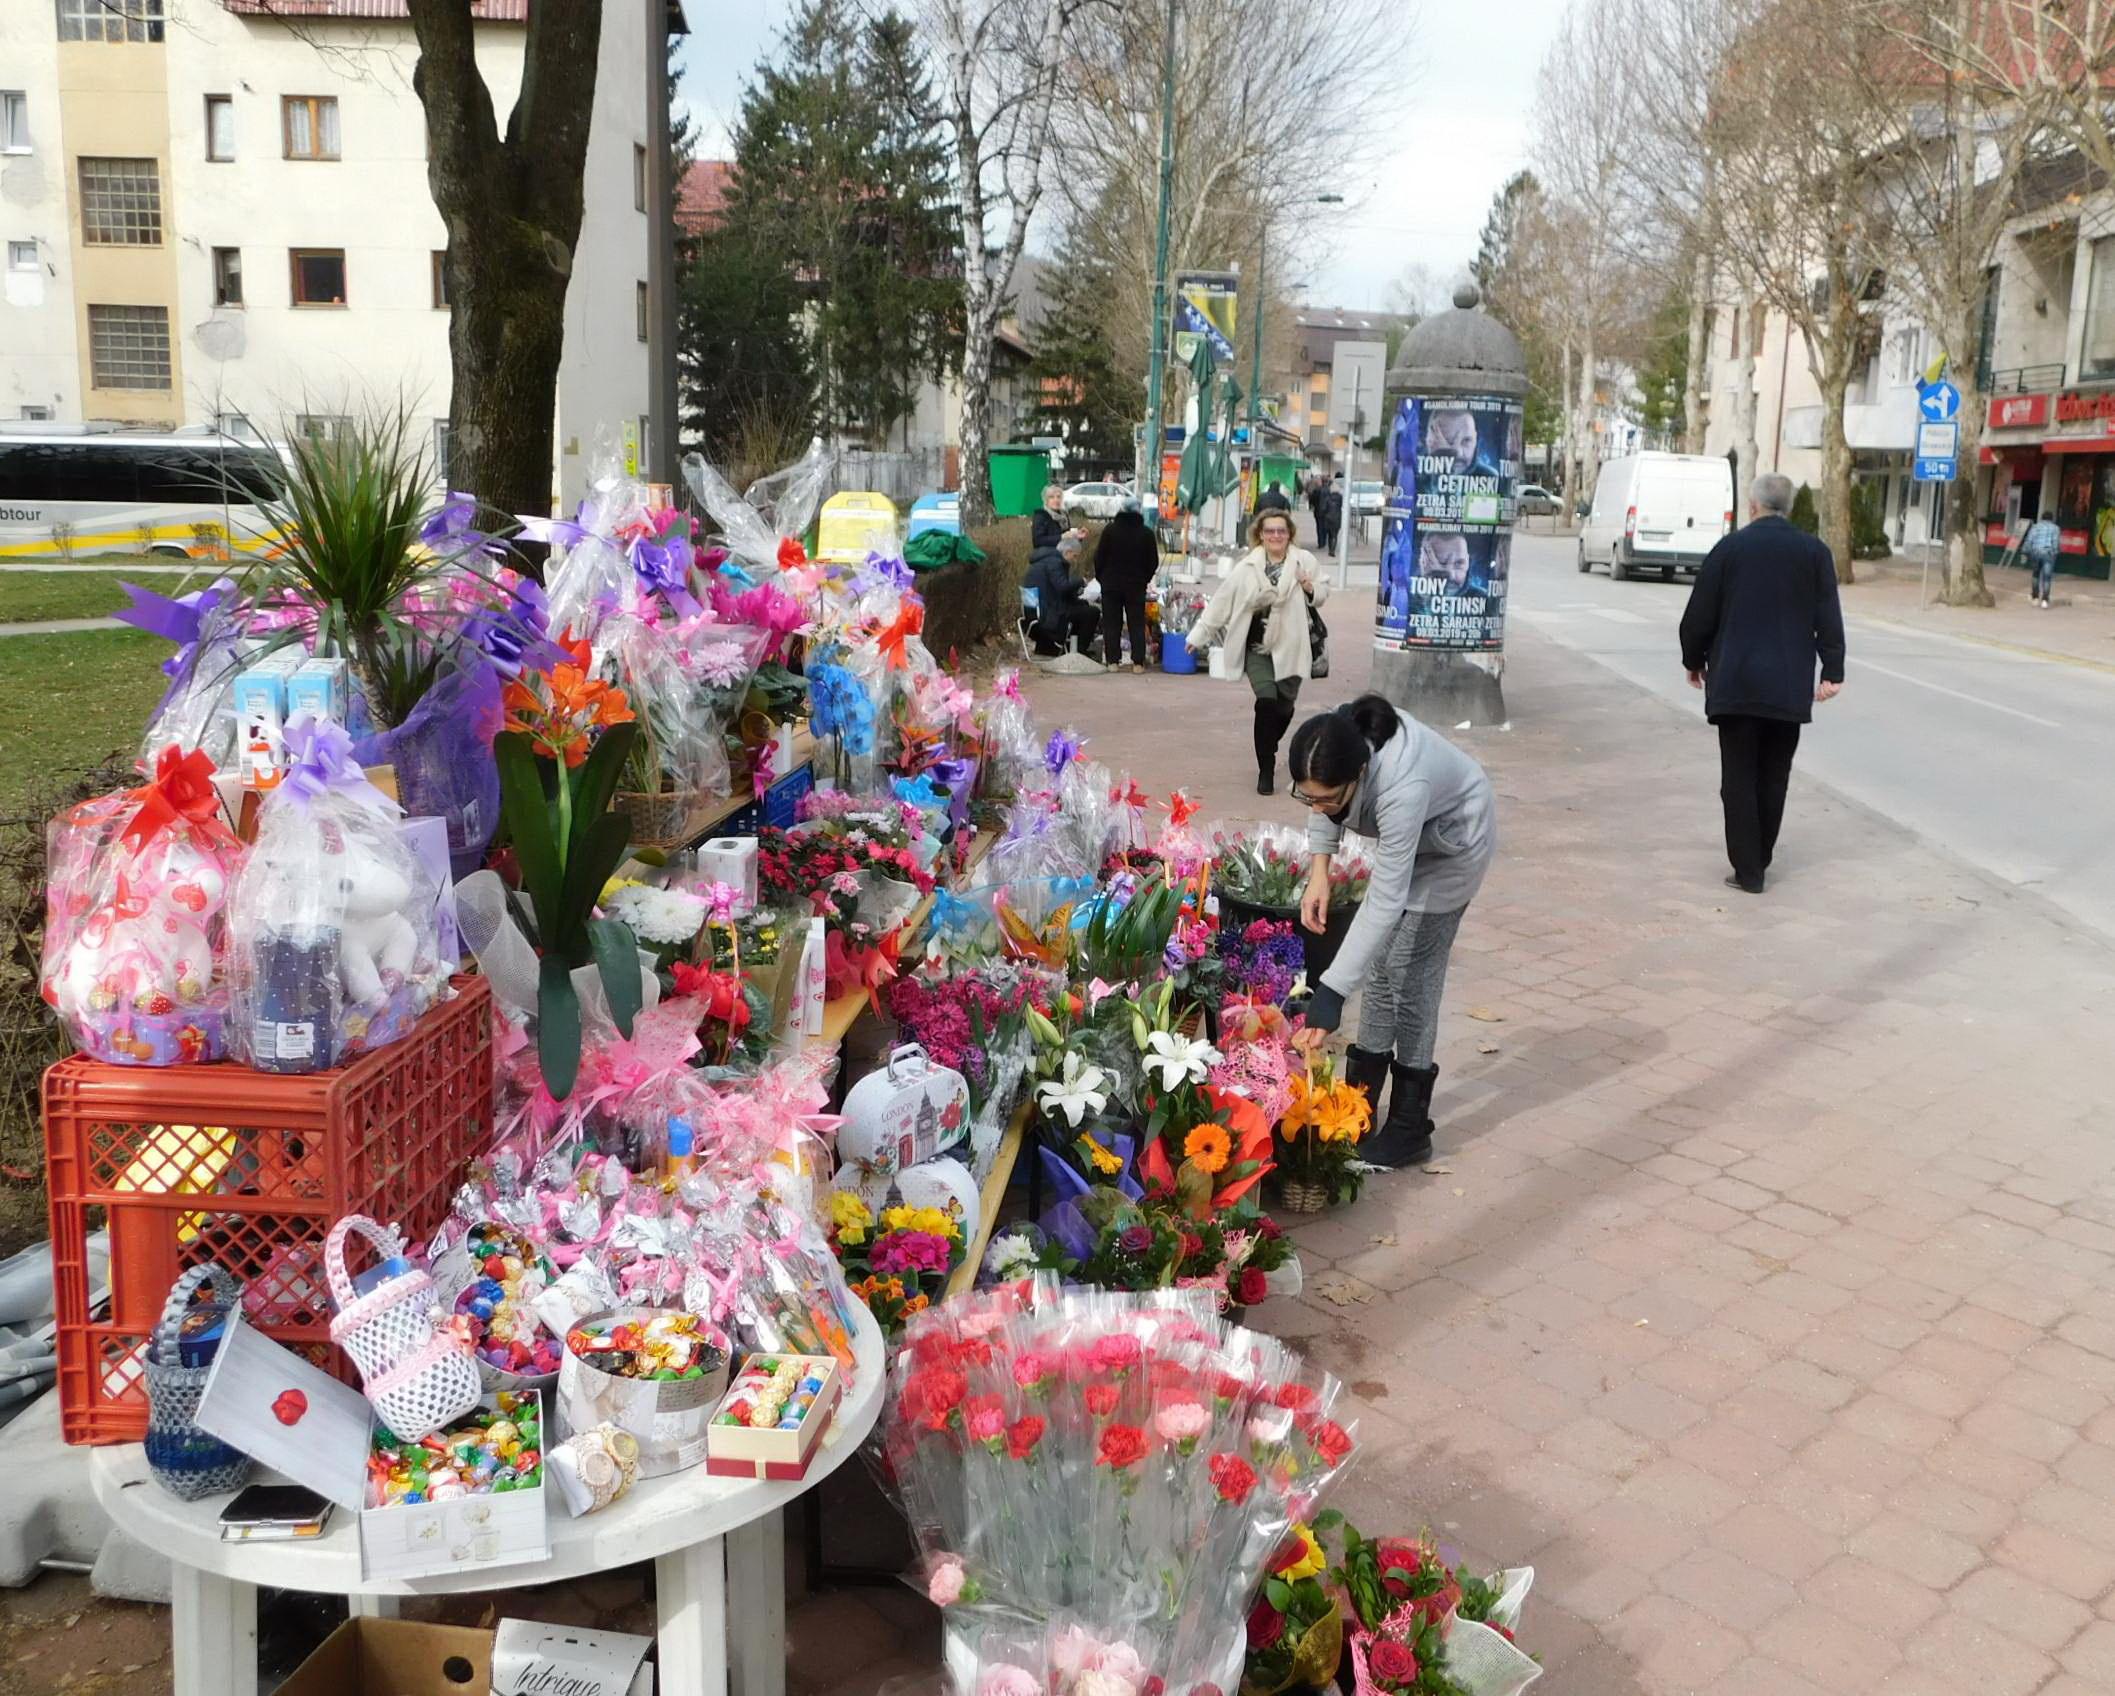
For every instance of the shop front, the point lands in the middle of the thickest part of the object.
(2051, 453)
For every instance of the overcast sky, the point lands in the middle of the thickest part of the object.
(1461, 129)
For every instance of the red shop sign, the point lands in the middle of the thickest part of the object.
(2018, 412)
(2077, 406)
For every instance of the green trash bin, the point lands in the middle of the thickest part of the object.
(1019, 474)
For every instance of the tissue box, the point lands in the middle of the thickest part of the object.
(289, 1415)
(318, 687)
(543, 1660)
(736, 1450)
(731, 860)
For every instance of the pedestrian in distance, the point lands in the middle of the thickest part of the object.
(1315, 490)
(1047, 523)
(1064, 611)
(1274, 499)
(1125, 560)
(1261, 609)
(1379, 773)
(1763, 613)
(1331, 519)
(2039, 548)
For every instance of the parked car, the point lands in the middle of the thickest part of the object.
(1532, 500)
(1098, 500)
(1657, 512)
(1368, 496)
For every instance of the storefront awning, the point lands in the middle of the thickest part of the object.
(2079, 444)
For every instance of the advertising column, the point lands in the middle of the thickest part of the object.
(1447, 528)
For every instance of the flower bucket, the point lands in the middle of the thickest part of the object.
(1320, 951)
(1303, 1195)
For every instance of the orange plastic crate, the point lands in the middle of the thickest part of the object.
(249, 1169)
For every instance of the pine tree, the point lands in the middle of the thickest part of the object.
(1082, 394)
(746, 389)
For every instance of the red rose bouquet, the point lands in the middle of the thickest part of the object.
(1418, 1627)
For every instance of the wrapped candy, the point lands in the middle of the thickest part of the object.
(333, 938)
(505, 1276)
(134, 934)
(488, 1452)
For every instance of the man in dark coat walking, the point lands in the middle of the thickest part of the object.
(1763, 613)
(1126, 559)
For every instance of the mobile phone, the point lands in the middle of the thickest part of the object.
(265, 1511)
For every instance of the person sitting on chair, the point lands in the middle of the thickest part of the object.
(1064, 612)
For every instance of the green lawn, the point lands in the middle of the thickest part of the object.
(26, 595)
(70, 700)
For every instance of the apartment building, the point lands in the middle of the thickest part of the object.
(1308, 410)
(218, 209)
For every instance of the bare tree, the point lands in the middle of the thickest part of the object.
(512, 203)
(1985, 92)
(1000, 65)
(1586, 116)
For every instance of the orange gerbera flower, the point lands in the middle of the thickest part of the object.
(1207, 1147)
(578, 703)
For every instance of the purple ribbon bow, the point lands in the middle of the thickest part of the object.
(665, 566)
(180, 619)
(320, 759)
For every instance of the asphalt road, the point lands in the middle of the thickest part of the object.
(2000, 758)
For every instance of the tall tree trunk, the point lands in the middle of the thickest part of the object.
(1696, 372)
(1964, 525)
(975, 431)
(1836, 467)
(1589, 408)
(1570, 415)
(512, 207)
(1747, 448)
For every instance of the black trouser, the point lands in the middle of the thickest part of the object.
(1275, 698)
(1121, 606)
(1075, 621)
(1755, 765)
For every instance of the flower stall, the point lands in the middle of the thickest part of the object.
(525, 921)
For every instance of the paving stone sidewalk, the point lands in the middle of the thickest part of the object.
(1765, 1309)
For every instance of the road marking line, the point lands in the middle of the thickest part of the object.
(1619, 615)
(2019, 650)
(1959, 695)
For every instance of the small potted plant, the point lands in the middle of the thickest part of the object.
(1262, 874)
(1321, 1131)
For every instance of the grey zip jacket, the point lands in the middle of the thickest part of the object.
(1430, 810)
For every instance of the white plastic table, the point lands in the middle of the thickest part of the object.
(717, 1544)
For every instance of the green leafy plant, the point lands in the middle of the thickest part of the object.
(1121, 946)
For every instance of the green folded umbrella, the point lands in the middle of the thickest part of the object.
(929, 550)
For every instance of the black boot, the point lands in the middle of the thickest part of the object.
(1405, 1137)
(1272, 719)
(1370, 1072)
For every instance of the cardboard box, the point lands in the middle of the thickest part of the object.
(396, 1657)
(557, 1660)
(318, 687)
(291, 1416)
(745, 1451)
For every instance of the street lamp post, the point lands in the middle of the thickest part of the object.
(1149, 473)
(1255, 364)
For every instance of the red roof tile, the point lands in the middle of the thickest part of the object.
(702, 197)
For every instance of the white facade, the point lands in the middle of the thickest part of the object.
(272, 358)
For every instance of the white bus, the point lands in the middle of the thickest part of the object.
(76, 491)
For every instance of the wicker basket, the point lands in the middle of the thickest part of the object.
(670, 818)
(1303, 1195)
(187, 1462)
(418, 1376)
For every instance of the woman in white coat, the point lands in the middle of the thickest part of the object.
(1261, 608)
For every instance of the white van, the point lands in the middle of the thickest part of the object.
(68, 489)
(1657, 512)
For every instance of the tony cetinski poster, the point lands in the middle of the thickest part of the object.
(1446, 537)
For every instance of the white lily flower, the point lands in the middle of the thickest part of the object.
(1076, 1092)
(1179, 1059)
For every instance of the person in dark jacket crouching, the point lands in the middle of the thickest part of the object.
(1064, 610)
(1763, 613)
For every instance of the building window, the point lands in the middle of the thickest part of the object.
(14, 121)
(110, 20)
(128, 347)
(220, 127)
(440, 279)
(319, 276)
(322, 427)
(311, 122)
(441, 445)
(36, 415)
(21, 256)
(638, 177)
(642, 311)
(121, 203)
(1904, 362)
(2097, 356)
(227, 276)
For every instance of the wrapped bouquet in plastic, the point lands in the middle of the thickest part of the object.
(1127, 1463)
(134, 932)
(333, 933)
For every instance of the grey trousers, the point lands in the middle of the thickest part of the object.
(1399, 1012)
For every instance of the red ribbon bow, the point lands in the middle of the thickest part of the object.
(1181, 809)
(182, 788)
(1128, 795)
(791, 553)
(909, 622)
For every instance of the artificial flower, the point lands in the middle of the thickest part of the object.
(1207, 1147)
(1179, 1059)
(1076, 1092)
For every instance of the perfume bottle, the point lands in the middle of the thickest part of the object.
(295, 1029)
